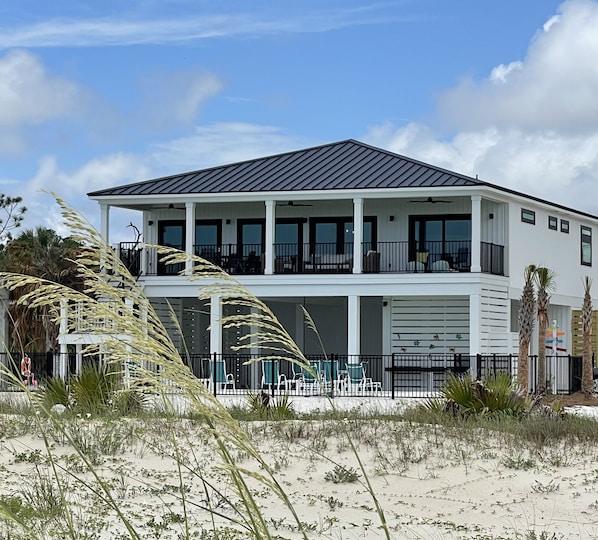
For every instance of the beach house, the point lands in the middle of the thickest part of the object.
(391, 256)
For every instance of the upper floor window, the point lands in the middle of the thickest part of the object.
(552, 223)
(564, 226)
(528, 216)
(586, 246)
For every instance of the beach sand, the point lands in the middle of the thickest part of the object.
(429, 482)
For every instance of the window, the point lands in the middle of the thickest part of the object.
(552, 223)
(564, 226)
(586, 246)
(528, 216)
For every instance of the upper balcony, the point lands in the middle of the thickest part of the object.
(328, 258)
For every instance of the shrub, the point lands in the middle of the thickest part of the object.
(465, 396)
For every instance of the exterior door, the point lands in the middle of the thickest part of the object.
(171, 234)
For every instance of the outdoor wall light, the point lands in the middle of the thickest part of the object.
(228, 221)
(150, 222)
(490, 215)
(391, 218)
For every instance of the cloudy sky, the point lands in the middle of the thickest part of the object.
(96, 94)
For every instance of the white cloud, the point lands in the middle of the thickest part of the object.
(140, 29)
(222, 143)
(30, 97)
(98, 173)
(553, 88)
(531, 126)
(176, 98)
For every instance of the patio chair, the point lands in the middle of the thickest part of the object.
(271, 376)
(415, 266)
(441, 266)
(331, 375)
(309, 379)
(220, 379)
(357, 382)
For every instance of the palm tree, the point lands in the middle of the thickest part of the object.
(545, 283)
(526, 318)
(587, 378)
(41, 253)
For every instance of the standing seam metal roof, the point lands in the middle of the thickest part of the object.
(346, 164)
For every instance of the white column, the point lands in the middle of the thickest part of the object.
(78, 359)
(145, 228)
(189, 232)
(353, 326)
(357, 234)
(475, 330)
(476, 232)
(215, 325)
(61, 368)
(105, 222)
(270, 239)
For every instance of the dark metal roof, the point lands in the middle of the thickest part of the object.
(346, 164)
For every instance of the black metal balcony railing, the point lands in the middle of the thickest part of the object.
(387, 257)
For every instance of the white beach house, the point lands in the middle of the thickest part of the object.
(388, 254)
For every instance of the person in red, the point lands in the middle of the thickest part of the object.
(26, 371)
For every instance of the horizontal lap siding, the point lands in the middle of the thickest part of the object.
(163, 310)
(422, 325)
(494, 324)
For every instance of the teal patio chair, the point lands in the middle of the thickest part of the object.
(357, 382)
(271, 376)
(306, 380)
(332, 375)
(220, 379)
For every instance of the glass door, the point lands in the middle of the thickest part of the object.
(208, 240)
(288, 245)
(250, 245)
(171, 234)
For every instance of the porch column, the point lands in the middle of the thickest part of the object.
(269, 246)
(476, 232)
(353, 326)
(475, 312)
(145, 228)
(189, 233)
(105, 232)
(105, 222)
(215, 324)
(357, 234)
(60, 369)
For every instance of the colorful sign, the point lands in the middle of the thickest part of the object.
(554, 338)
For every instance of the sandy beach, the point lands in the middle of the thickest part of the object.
(429, 481)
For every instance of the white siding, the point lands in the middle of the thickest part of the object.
(422, 325)
(495, 320)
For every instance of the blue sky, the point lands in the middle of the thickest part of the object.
(96, 94)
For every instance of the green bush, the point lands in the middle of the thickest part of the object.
(93, 389)
(464, 396)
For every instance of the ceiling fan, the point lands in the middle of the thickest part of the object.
(291, 203)
(431, 201)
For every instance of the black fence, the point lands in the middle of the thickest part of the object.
(395, 375)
